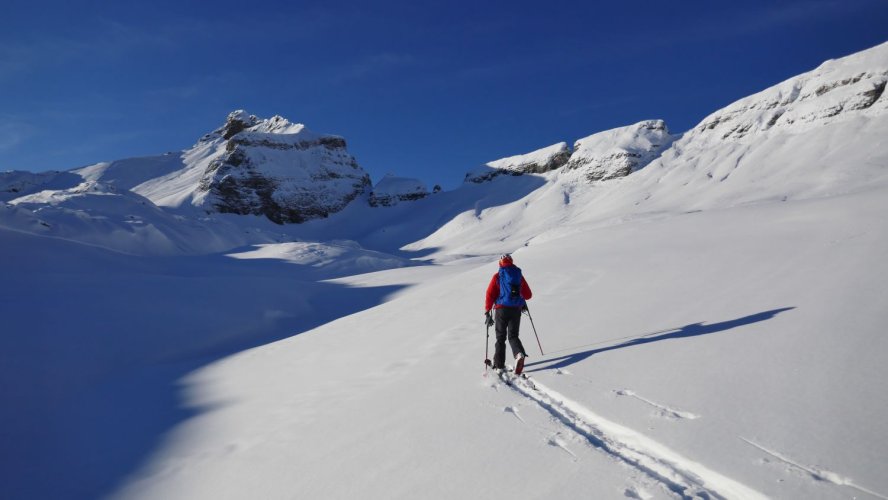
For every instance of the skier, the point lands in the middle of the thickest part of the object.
(507, 293)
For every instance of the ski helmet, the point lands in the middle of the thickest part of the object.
(505, 260)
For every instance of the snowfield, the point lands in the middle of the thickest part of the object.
(713, 325)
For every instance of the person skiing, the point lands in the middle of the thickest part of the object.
(506, 294)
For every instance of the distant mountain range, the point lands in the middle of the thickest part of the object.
(285, 173)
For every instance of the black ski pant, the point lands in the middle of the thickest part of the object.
(508, 321)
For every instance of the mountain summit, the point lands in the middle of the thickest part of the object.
(810, 136)
(278, 169)
(248, 166)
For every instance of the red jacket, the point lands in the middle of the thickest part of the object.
(493, 291)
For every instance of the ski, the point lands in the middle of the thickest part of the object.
(509, 377)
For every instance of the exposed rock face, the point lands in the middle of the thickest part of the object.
(836, 90)
(536, 162)
(602, 156)
(280, 170)
(618, 152)
(391, 190)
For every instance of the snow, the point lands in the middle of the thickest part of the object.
(835, 91)
(332, 258)
(392, 185)
(129, 173)
(392, 189)
(713, 327)
(618, 152)
(533, 161)
(15, 184)
(540, 156)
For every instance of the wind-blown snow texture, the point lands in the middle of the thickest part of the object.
(710, 304)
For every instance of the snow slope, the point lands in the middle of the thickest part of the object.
(621, 151)
(713, 327)
(392, 189)
(777, 349)
(539, 161)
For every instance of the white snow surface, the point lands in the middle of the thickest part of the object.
(713, 327)
(391, 190)
(617, 152)
(392, 185)
(540, 156)
(518, 163)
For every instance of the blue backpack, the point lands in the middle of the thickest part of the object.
(510, 287)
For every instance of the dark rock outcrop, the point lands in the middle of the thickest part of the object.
(280, 170)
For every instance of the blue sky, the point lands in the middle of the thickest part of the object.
(421, 89)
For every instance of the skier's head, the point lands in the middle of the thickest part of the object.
(505, 260)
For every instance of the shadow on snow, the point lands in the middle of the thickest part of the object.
(96, 345)
(687, 331)
(391, 228)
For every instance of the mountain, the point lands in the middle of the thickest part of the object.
(253, 166)
(621, 151)
(536, 162)
(392, 190)
(270, 169)
(278, 169)
(249, 166)
(837, 90)
(712, 321)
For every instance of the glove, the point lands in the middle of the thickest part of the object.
(524, 308)
(488, 319)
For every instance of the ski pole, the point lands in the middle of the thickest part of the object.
(534, 329)
(487, 349)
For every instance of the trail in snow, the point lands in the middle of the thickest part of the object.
(677, 473)
(815, 472)
(663, 409)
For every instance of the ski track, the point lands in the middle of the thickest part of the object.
(815, 472)
(664, 410)
(683, 477)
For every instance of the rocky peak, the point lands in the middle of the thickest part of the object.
(279, 169)
(237, 122)
(618, 152)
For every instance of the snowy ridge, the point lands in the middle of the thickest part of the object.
(178, 189)
(837, 90)
(539, 161)
(131, 172)
(620, 151)
(15, 184)
(392, 189)
(100, 214)
(601, 156)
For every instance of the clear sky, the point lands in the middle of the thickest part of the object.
(420, 89)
